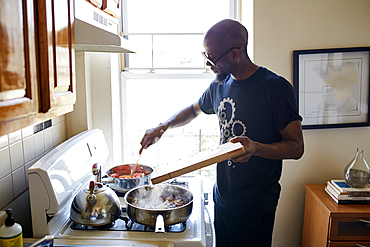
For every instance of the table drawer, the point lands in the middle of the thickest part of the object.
(350, 228)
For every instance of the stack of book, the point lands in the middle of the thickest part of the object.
(342, 193)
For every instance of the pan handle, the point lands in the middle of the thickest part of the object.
(107, 180)
(159, 224)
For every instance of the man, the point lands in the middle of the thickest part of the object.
(256, 108)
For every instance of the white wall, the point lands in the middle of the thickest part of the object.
(98, 102)
(279, 28)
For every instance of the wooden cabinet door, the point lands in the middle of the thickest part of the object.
(18, 69)
(56, 53)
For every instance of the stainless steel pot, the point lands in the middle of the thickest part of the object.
(158, 218)
(123, 185)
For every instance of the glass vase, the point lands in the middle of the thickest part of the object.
(357, 172)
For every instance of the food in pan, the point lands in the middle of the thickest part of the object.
(172, 201)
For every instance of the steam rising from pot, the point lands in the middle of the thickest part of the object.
(160, 196)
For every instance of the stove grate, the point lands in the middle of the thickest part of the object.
(125, 224)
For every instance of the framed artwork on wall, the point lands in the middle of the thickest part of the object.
(332, 87)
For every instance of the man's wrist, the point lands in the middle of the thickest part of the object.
(164, 127)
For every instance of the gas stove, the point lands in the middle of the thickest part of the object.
(124, 223)
(55, 180)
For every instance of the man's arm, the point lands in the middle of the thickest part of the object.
(292, 146)
(181, 118)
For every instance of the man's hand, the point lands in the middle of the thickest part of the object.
(151, 136)
(291, 147)
(181, 118)
(249, 148)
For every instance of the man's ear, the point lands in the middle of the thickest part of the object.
(236, 53)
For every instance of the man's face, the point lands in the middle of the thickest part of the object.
(218, 61)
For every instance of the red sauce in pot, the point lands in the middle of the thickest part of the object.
(135, 175)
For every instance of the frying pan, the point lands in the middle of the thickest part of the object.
(152, 215)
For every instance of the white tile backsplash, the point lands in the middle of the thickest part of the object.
(15, 136)
(4, 141)
(58, 119)
(48, 138)
(39, 143)
(19, 181)
(59, 133)
(29, 149)
(4, 162)
(28, 131)
(16, 155)
(6, 191)
(19, 151)
(26, 166)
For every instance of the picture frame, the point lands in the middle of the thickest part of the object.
(332, 87)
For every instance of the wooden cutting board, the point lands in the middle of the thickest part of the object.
(197, 161)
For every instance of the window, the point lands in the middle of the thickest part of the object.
(166, 74)
(168, 34)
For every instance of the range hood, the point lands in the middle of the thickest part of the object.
(97, 31)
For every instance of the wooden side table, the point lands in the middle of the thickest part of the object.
(328, 224)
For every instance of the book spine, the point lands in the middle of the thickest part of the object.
(365, 190)
(331, 195)
(348, 195)
(346, 201)
(333, 188)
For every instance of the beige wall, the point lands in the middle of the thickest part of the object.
(279, 28)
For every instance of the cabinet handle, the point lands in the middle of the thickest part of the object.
(360, 245)
(365, 221)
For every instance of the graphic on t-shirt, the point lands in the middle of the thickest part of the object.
(229, 126)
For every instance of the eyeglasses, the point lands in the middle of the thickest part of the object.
(213, 63)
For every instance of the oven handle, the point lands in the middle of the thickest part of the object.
(48, 240)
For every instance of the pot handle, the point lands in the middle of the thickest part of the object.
(159, 223)
(107, 180)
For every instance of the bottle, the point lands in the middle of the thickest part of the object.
(11, 232)
(357, 172)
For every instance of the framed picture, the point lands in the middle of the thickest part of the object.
(332, 87)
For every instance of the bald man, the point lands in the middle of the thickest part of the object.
(257, 108)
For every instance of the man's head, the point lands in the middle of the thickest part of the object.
(225, 46)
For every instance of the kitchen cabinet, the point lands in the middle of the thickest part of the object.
(37, 80)
(328, 224)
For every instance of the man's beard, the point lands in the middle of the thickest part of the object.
(221, 77)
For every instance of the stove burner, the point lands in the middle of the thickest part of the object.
(102, 227)
(125, 224)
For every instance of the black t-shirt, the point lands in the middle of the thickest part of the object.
(258, 107)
